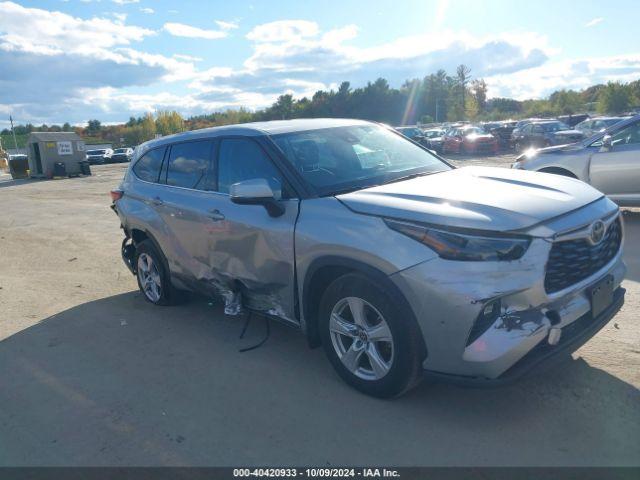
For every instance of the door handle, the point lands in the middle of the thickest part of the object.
(157, 201)
(216, 215)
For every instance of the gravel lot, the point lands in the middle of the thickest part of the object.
(91, 374)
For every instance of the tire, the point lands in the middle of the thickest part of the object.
(153, 279)
(397, 358)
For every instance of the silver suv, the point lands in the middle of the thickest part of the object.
(391, 259)
(609, 160)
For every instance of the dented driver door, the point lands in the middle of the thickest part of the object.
(251, 253)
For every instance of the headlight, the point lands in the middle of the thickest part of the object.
(458, 246)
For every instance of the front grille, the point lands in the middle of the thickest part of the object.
(571, 261)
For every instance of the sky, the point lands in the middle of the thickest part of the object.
(75, 60)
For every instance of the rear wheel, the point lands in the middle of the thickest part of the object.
(372, 347)
(153, 279)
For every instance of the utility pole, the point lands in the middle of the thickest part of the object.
(15, 142)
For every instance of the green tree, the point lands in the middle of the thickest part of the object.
(169, 122)
(566, 102)
(463, 75)
(148, 128)
(479, 92)
(614, 98)
(93, 127)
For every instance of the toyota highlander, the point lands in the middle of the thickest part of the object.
(395, 262)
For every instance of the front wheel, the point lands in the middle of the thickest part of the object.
(371, 345)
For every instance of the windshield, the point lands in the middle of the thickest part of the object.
(349, 158)
(473, 131)
(409, 132)
(433, 133)
(555, 127)
(120, 150)
(96, 152)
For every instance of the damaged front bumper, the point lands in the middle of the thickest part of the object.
(528, 327)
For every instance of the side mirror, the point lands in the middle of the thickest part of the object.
(257, 191)
(607, 142)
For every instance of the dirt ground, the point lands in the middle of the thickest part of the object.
(91, 374)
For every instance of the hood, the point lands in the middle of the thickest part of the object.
(484, 198)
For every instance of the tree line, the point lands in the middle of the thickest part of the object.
(437, 97)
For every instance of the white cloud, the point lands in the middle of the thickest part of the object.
(125, 2)
(575, 74)
(227, 25)
(593, 22)
(42, 31)
(182, 30)
(147, 10)
(188, 58)
(64, 56)
(284, 31)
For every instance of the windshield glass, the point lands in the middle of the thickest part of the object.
(409, 132)
(95, 152)
(349, 158)
(433, 133)
(120, 150)
(554, 127)
(473, 131)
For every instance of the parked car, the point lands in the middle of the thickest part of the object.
(414, 133)
(433, 139)
(609, 161)
(469, 139)
(573, 119)
(545, 134)
(502, 132)
(121, 155)
(100, 156)
(596, 125)
(391, 259)
(520, 124)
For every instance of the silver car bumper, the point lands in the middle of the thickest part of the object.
(448, 297)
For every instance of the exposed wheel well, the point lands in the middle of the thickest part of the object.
(138, 236)
(314, 288)
(324, 271)
(558, 171)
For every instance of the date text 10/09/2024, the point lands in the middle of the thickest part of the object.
(316, 472)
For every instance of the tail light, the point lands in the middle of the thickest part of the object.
(116, 194)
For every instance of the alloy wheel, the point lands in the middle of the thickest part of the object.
(361, 338)
(149, 277)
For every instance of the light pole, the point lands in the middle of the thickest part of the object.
(15, 142)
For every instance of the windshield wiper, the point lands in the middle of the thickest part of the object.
(409, 177)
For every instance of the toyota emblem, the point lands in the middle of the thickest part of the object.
(597, 232)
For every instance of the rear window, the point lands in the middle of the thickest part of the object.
(148, 167)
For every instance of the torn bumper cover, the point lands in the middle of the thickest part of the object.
(493, 324)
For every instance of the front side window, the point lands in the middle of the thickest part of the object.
(190, 165)
(148, 167)
(242, 159)
(349, 158)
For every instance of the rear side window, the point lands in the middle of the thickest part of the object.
(148, 167)
(190, 165)
(242, 159)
